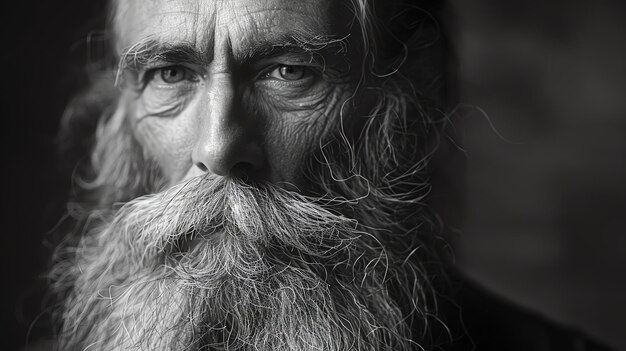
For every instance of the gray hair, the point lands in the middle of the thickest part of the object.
(381, 171)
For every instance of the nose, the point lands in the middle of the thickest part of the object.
(227, 139)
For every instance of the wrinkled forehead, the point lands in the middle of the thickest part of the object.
(241, 21)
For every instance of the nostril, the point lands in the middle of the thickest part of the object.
(202, 167)
(242, 171)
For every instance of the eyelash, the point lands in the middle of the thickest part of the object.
(151, 73)
(187, 74)
(277, 72)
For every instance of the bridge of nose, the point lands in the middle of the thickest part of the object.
(227, 136)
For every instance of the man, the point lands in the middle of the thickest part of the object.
(259, 180)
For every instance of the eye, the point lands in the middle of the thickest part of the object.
(171, 75)
(288, 72)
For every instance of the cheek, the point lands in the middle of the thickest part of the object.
(168, 143)
(165, 137)
(293, 135)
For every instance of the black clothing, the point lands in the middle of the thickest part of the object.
(480, 321)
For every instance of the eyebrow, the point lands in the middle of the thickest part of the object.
(150, 50)
(297, 42)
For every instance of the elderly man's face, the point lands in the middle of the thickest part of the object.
(233, 86)
(301, 235)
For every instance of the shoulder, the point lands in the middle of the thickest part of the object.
(478, 320)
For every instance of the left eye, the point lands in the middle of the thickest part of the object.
(288, 72)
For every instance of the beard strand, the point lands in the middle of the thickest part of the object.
(216, 263)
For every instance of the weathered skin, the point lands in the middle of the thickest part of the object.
(235, 109)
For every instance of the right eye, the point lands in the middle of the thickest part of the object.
(171, 75)
(165, 90)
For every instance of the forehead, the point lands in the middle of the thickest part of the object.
(242, 22)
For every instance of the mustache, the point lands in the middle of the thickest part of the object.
(219, 210)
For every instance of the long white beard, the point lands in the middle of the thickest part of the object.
(218, 264)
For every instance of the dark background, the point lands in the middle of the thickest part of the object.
(546, 221)
(543, 123)
(43, 45)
